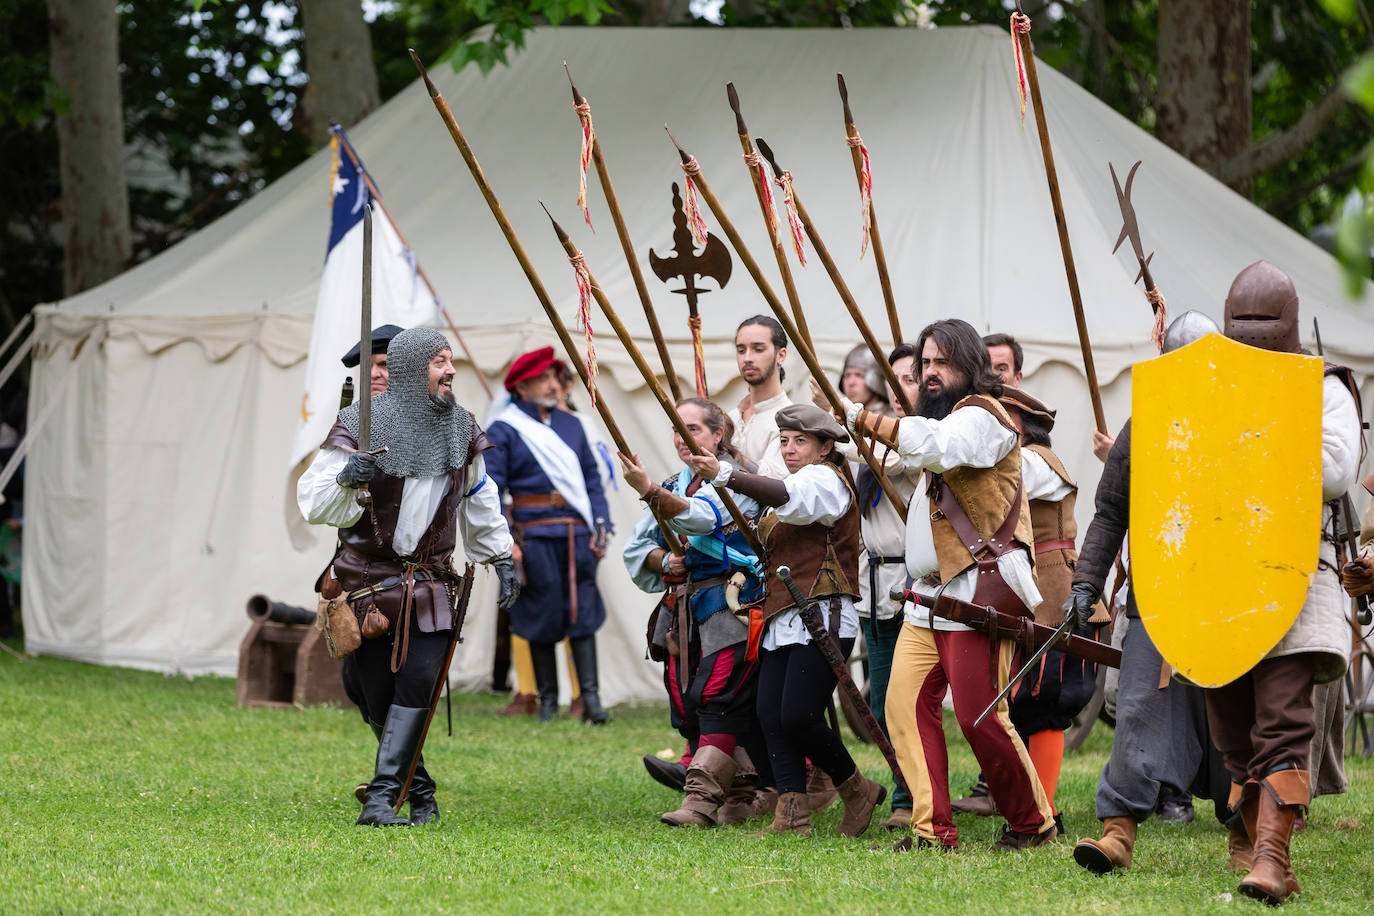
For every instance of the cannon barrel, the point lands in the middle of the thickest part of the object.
(260, 607)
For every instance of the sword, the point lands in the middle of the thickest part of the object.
(811, 617)
(363, 497)
(1054, 639)
(460, 613)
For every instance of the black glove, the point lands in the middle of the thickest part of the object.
(360, 469)
(1078, 607)
(510, 582)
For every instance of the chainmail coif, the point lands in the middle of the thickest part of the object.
(423, 438)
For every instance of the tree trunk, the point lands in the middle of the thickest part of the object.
(90, 136)
(338, 57)
(1203, 105)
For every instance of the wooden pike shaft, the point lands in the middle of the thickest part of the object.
(789, 285)
(1051, 176)
(789, 328)
(875, 237)
(420, 271)
(669, 407)
(622, 232)
(843, 289)
(536, 285)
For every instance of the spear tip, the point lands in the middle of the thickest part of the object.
(844, 98)
(768, 154)
(733, 97)
(424, 74)
(558, 230)
(577, 96)
(680, 151)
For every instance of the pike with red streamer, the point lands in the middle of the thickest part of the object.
(865, 192)
(1020, 25)
(793, 219)
(584, 316)
(756, 163)
(690, 208)
(584, 116)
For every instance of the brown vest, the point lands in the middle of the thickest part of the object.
(365, 556)
(985, 494)
(1054, 525)
(824, 560)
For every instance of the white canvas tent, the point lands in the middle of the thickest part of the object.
(156, 486)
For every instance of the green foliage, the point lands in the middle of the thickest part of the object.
(131, 792)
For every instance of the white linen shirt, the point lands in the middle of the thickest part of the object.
(758, 438)
(485, 535)
(969, 437)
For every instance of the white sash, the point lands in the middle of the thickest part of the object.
(556, 459)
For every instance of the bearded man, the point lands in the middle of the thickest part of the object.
(968, 534)
(760, 349)
(428, 484)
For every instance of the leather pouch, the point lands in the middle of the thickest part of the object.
(336, 619)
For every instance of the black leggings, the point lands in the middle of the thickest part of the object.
(413, 685)
(795, 685)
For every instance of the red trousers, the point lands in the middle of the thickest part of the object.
(926, 663)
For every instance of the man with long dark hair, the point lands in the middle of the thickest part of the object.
(969, 534)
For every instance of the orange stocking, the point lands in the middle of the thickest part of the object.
(1047, 753)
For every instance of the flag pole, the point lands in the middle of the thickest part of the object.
(381, 205)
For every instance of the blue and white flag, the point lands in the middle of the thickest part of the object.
(399, 295)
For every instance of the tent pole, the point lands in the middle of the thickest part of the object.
(18, 357)
(28, 316)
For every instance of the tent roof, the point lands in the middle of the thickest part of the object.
(958, 188)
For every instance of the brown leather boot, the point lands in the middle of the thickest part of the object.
(711, 771)
(1112, 851)
(978, 801)
(1282, 795)
(1240, 843)
(522, 704)
(765, 802)
(860, 796)
(900, 819)
(791, 816)
(820, 790)
(739, 798)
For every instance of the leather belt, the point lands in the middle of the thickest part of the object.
(1047, 546)
(695, 585)
(573, 522)
(552, 500)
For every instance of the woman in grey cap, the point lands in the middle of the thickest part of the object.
(810, 524)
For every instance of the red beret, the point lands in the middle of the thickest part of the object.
(531, 365)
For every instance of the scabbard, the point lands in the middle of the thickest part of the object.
(1023, 630)
(810, 613)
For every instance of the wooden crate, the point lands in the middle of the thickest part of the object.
(287, 666)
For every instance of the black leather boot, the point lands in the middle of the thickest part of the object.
(545, 660)
(400, 740)
(584, 657)
(360, 790)
(423, 807)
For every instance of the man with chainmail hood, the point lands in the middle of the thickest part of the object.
(428, 484)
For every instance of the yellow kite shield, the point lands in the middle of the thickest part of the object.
(1225, 501)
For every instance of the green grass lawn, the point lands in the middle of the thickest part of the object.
(126, 791)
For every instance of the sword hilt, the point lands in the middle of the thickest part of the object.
(785, 574)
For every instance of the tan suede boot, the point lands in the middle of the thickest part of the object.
(1282, 796)
(765, 802)
(1240, 843)
(900, 819)
(1112, 851)
(791, 816)
(711, 771)
(739, 798)
(820, 790)
(860, 796)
